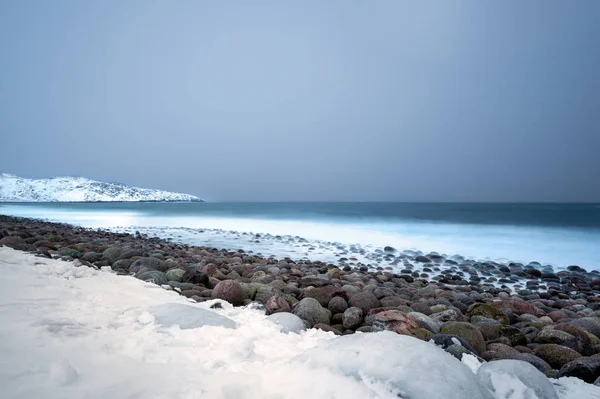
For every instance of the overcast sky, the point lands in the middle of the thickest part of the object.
(311, 100)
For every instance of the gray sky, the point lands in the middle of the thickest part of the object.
(312, 100)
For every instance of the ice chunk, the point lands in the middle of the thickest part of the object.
(187, 317)
(399, 365)
(289, 322)
(515, 379)
(471, 362)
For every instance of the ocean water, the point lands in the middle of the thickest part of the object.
(552, 234)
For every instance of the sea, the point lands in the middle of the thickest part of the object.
(558, 235)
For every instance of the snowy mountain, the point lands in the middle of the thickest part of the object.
(79, 189)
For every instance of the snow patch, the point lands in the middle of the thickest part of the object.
(78, 189)
(68, 332)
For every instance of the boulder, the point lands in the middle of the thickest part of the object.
(352, 318)
(153, 276)
(466, 331)
(196, 277)
(446, 315)
(556, 355)
(398, 322)
(426, 322)
(175, 274)
(277, 304)
(112, 253)
(337, 304)
(310, 309)
(497, 351)
(584, 368)
(365, 300)
(535, 361)
(324, 294)
(488, 311)
(519, 307)
(230, 291)
(150, 263)
(589, 324)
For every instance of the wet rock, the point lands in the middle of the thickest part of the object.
(230, 291)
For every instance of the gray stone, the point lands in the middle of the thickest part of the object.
(352, 318)
(310, 309)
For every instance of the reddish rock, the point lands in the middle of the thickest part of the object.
(212, 270)
(230, 291)
(519, 307)
(325, 327)
(398, 322)
(324, 294)
(557, 315)
(15, 242)
(276, 304)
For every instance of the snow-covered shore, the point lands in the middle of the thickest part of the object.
(79, 189)
(75, 332)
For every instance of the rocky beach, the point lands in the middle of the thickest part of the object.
(550, 320)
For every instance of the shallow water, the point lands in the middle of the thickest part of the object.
(554, 234)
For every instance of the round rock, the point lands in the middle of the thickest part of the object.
(230, 291)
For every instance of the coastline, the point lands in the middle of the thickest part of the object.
(556, 330)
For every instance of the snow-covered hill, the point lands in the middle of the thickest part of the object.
(78, 189)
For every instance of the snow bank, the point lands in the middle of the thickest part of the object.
(68, 332)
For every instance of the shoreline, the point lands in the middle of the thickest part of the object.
(555, 330)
